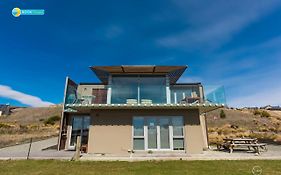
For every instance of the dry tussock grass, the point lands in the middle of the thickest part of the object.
(28, 123)
(243, 123)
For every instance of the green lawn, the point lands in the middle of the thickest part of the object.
(32, 167)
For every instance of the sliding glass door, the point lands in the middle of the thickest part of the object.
(164, 133)
(158, 133)
(151, 133)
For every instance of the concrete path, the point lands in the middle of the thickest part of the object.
(21, 151)
(273, 153)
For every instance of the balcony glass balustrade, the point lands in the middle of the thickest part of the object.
(215, 94)
(144, 94)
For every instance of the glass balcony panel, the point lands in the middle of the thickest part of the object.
(215, 94)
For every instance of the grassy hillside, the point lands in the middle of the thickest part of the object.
(261, 124)
(26, 123)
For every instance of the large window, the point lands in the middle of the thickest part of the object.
(158, 133)
(178, 137)
(152, 88)
(138, 89)
(138, 137)
(124, 88)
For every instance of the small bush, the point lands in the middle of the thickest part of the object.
(257, 112)
(52, 120)
(265, 114)
(23, 129)
(222, 114)
(4, 125)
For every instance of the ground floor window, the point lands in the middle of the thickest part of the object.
(158, 133)
(80, 127)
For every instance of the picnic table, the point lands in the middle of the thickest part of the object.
(231, 143)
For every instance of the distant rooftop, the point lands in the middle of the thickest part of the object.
(174, 72)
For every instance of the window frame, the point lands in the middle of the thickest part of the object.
(172, 137)
(138, 137)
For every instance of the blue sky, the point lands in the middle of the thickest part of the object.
(235, 43)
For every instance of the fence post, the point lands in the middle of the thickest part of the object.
(29, 149)
(78, 146)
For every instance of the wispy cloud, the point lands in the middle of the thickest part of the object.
(8, 92)
(270, 96)
(212, 23)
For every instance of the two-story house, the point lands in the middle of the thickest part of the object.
(139, 108)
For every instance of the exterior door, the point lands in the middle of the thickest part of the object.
(100, 96)
(158, 133)
(164, 132)
(79, 127)
(152, 133)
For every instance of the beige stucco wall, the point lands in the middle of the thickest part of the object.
(111, 130)
(193, 133)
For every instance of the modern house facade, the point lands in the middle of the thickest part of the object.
(137, 109)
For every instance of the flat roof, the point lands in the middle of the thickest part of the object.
(103, 72)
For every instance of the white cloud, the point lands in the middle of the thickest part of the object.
(7, 92)
(214, 22)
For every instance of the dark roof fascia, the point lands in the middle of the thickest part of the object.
(174, 75)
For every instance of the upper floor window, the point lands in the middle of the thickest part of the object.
(138, 89)
(179, 93)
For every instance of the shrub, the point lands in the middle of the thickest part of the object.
(4, 125)
(265, 114)
(52, 120)
(222, 114)
(256, 112)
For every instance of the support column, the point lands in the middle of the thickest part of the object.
(109, 90)
(168, 91)
(202, 98)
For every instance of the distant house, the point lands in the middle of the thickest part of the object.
(5, 110)
(273, 108)
(139, 108)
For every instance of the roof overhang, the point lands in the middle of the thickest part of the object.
(103, 72)
(203, 108)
